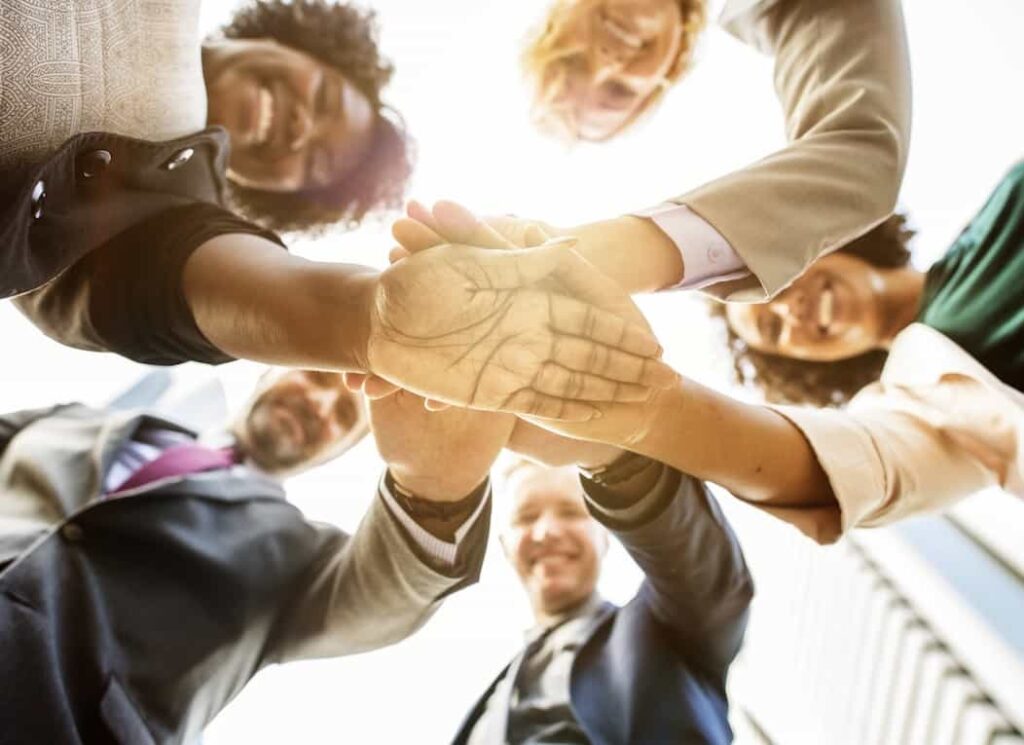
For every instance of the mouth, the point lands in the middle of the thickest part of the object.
(264, 116)
(551, 560)
(826, 311)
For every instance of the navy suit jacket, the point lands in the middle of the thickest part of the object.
(653, 672)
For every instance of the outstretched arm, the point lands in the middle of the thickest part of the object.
(696, 581)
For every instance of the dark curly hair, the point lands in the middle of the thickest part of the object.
(344, 37)
(785, 380)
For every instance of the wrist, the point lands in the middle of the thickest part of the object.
(361, 291)
(632, 250)
(440, 489)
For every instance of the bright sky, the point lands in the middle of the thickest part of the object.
(459, 88)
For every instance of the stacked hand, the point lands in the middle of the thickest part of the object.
(441, 456)
(536, 331)
(621, 421)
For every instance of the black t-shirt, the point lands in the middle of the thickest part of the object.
(136, 305)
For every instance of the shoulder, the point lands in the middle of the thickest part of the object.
(95, 186)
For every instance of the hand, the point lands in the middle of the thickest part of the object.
(537, 332)
(450, 222)
(420, 231)
(440, 456)
(542, 446)
(625, 426)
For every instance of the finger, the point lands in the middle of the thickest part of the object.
(584, 356)
(415, 236)
(575, 318)
(432, 404)
(459, 225)
(558, 381)
(354, 381)
(529, 402)
(396, 254)
(420, 213)
(375, 387)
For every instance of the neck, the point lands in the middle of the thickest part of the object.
(901, 301)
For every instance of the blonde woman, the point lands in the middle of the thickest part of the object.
(841, 71)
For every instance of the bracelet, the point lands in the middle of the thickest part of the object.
(422, 509)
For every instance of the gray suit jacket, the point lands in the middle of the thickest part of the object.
(135, 620)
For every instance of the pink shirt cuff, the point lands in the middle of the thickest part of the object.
(707, 256)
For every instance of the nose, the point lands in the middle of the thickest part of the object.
(545, 527)
(323, 401)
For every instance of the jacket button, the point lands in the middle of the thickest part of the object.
(179, 159)
(94, 163)
(38, 198)
(72, 533)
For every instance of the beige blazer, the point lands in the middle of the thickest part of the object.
(936, 428)
(842, 74)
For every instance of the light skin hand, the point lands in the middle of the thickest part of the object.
(632, 250)
(418, 445)
(517, 331)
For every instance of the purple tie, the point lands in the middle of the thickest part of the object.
(179, 460)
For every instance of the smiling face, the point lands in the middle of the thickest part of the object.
(294, 122)
(607, 60)
(299, 418)
(553, 543)
(831, 312)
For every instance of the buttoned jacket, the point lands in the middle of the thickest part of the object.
(135, 619)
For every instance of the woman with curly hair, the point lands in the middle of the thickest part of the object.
(779, 361)
(114, 232)
(298, 87)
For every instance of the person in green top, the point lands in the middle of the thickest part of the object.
(827, 335)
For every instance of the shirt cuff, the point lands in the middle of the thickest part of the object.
(444, 553)
(636, 512)
(708, 258)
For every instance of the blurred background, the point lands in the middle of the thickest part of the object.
(906, 635)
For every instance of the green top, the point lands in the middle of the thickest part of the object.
(975, 293)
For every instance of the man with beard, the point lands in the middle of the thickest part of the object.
(145, 577)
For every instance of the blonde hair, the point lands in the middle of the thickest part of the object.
(545, 53)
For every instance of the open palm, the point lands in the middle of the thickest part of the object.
(494, 330)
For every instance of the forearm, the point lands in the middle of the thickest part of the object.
(633, 250)
(255, 301)
(750, 450)
(696, 580)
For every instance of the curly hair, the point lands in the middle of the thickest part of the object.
(785, 380)
(344, 37)
(545, 56)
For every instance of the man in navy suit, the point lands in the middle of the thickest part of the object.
(650, 672)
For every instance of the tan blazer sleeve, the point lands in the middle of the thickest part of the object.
(902, 450)
(842, 74)
(372, 590)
